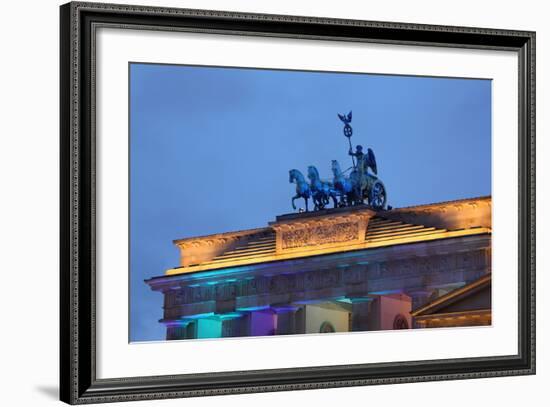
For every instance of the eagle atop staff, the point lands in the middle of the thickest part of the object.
(344, 118)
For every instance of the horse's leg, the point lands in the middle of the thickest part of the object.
(325, 198)
(305, 200)
(326, 195)
(293, 199)
(334, 200)
(358, 196)
(317, 203)
(351, 195)
(349, 199)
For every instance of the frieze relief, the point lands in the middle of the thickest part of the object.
(320, 235)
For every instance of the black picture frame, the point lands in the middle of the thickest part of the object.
(78, 381)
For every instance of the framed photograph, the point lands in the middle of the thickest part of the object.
(255, 203)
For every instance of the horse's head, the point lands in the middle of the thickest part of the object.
(295, 176)
(336, 168)
(312, 173)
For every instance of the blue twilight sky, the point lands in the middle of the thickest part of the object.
(210, 150)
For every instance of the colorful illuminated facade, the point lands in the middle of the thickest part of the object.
(335, 270)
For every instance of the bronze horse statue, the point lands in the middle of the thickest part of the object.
(302, 187)
(322, 191)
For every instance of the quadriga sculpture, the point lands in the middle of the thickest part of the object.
(358, 188)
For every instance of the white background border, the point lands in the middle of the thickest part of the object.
(117, 358)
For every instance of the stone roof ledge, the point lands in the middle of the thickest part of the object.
(200, 249)
(334, 230)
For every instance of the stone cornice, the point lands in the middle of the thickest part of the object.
(218, 238)
(318, 251)
(451, 215)
(458, 204)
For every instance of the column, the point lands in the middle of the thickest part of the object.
(286, 319)
(234, 326)
(191, 330)
(300, 321)
(180, 330)
(361, 314)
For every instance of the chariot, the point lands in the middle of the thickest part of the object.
(375, 192)
(360, 189)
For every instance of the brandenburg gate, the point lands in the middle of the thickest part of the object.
(332, 270)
